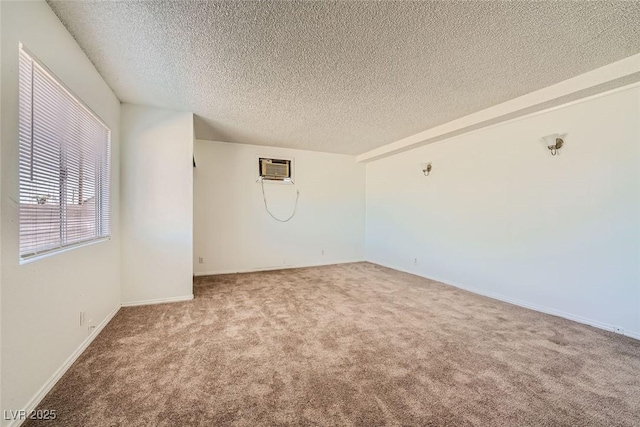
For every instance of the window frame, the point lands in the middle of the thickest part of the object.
(100, 191)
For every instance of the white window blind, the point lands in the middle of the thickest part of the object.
(64, 165)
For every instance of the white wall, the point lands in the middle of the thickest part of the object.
(157, 204)
(42, 300)
(233, 232)
(1, 139)
(501, 216)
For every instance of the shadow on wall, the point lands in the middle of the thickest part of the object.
(209, 130)
(204, 129)
(212, 131)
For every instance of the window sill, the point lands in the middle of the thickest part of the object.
(53, 252)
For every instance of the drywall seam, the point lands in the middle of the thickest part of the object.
(280, 267)
(158, 301)
(46, 388)
(600, 76)
(520, 303)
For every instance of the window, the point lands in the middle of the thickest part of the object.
(64, 165)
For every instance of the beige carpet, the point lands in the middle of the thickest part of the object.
(353, 344)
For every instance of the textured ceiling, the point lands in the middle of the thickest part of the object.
(341, 77)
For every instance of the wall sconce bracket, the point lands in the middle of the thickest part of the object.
(554, 143)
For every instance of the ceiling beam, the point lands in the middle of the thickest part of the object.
(611, 76)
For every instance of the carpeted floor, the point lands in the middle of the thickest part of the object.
(352, 344)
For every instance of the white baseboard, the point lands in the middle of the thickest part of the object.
(279, 267)
(37, 398)
(520, 303)
(635, 335)
(158, 301)
(46, 388)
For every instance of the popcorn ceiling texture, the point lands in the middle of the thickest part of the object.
(341, 77)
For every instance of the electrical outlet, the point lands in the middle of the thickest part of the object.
(618, 330)
(415, 261)
(200, 260)
(323, 252)
(82, 316)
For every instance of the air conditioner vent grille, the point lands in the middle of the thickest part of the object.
(275, 169)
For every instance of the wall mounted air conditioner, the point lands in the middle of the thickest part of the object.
(279, 170)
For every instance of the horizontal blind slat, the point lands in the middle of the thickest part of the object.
(64, 165)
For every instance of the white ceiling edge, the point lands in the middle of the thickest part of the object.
(608, 77)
